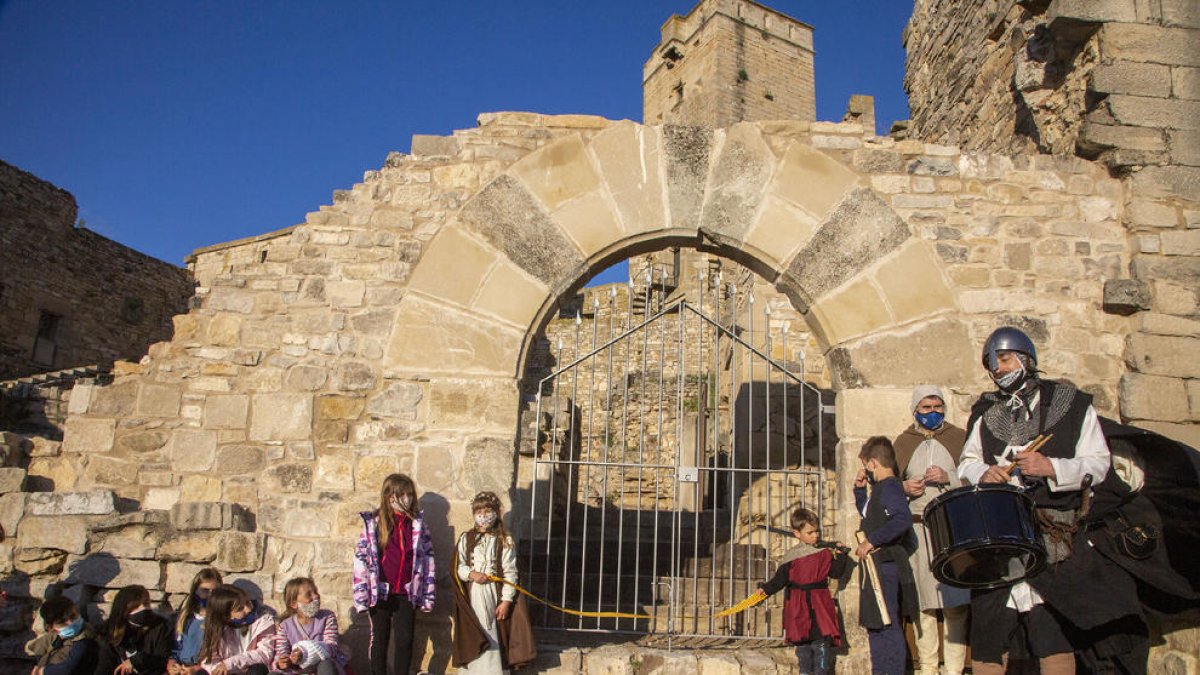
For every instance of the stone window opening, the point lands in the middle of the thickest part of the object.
(133, 310)
(262, 256)
(45, 344)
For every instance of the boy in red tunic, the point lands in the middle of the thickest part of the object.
(810, 618)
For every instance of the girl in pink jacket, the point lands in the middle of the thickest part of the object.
(237, 637)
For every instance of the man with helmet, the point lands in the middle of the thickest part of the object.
(1002, 425)
(927, 454)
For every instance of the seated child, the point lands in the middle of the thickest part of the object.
(810, 618)
(306, 640)
(237, 637)
(189, 626)
(68, 647)
(134, 639)
(887, 524)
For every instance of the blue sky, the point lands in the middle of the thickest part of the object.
(178, 125)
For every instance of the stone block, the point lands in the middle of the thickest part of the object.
(209, 516)
(159, 400)
(434, 146)
(558, 172)
(179, 577)
(1151, 397)
(292, 477)
(1185, 83)
(861, 230)
(199, 488)
(511, 295)
(396, 400)
(912, 283)
(739, 177)
(511, 220)
(1151, 213)
(192, 449)
(453, 266)
(1098, 137)
(813, 180)
(239, 460)
(340, 407)
(345, 294)
(136, 541)
(1185, 147)
(39, 561)
(114, 400)
(782, 228)
(308, 523)
(1181, 242)
(240, 552)
(88, 435)
(481, 403)
(1184, 13)
(94, 503)
(1188, 434)
(856, 309)
(590, 221)
(1184, 271)
(710, 663)
(1090, 11)
(224, 330)
(610, 660)
(281, 417)
(1155, 112)
(1193, 390)
(1140, 79)
(872, 412)
(353, 376)
(1165, 324)
(434, 337)
(226, 411)
(687, 153)
(65, 533)
(1126, 296)
(756, 663)
(1149, 44)
(939, 351)
(81, 396)
(105, 571)
(52, 473)
(160, 498)
(141, 441)
(628, 156)
(12, 508)
(195, 547)
(11, 480)
(1164, 355)
(334, 473)
(371, 470)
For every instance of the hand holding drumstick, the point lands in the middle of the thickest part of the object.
(1031, 463)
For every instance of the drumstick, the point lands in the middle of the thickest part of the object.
(1032, 447)
(876, 584)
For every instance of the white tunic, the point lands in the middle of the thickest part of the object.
(932, 593)
(484, 599)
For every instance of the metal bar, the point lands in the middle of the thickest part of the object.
(587, 485)
(571, 474)
(634, 465)
(537, 429)
(770, 507)
(751, 498)
(662, 364)
(624, 452)
(733, 393)
(637, 551)
(553, 480)
(608, 387)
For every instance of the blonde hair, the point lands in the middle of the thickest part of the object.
(395, 485)
(291, 591)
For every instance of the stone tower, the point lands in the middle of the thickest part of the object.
(729, 61)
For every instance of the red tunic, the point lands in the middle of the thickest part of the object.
(797, 620)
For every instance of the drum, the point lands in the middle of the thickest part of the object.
(983, 536)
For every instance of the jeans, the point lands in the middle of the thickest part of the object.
(391, 623)
(815, 657)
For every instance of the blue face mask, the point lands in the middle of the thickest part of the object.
(931, 420)
(245, 620)
(72, 629)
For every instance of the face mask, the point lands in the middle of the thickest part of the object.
(930, 420)
(870, 477)
(245, 620)
(309, 609)
(1010, 381)
(486, 519)
(402, 503)
(140, 618)
(201, 598)
(72, 629)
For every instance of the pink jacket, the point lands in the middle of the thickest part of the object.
(259, 649)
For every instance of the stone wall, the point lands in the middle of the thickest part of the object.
(90, 299)
(1113, 81)
(388, 331)
(728, 61)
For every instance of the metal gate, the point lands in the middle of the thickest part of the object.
(673, 448)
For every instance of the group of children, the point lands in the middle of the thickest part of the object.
(810, 616)
(220, 630)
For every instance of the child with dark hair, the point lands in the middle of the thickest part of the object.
(887, 524)
(810, 618)
(238, 638)
(68, 646)
(134, 639)
(189, 626)
(484, 550)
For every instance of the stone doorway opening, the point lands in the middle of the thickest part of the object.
(673, 423)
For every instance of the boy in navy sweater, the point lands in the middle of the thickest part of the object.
(887, 524)
(67, 647)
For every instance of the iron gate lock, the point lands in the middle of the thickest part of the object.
(687, 474)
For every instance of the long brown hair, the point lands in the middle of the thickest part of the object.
(395, 485)
(291, 591)
(190, 606)
(221, 604)
(118, 620)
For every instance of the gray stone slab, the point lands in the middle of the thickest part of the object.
(512, 221)
(739, 177)
(861, 229)
(687, 151)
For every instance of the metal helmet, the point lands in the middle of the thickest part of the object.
(1007, 338)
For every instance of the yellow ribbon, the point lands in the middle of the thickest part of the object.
(750, 601)
(564, 610)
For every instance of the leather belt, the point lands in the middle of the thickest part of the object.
(917, 519)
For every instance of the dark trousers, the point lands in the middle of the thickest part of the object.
(815, 657)
(256, 669)
(888, 648)
(391, 624)
(995, 627)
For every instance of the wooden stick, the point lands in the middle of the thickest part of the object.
(876, 583)
(1033, 446)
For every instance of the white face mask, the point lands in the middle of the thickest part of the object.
(1010, 380)
(485, 519)
(309, 609)
(401, 503)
